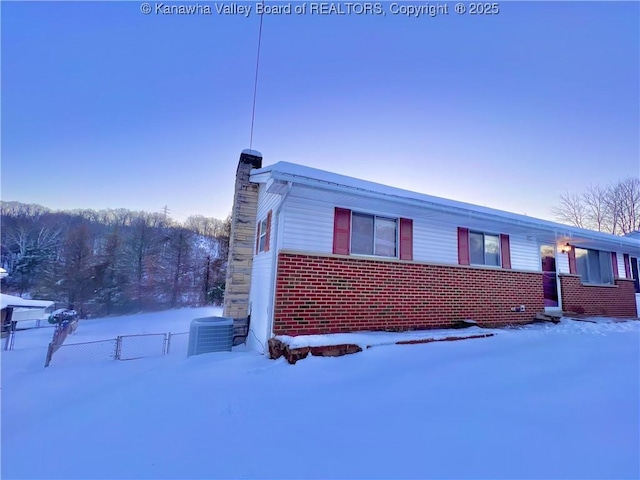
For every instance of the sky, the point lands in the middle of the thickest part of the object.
(105, 107)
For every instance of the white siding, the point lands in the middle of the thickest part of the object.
(261, 276)
(259, 301)
(266, 201)
(434, 242)
(562, 262)
(525, 253)
(308, 226)
(621, 271)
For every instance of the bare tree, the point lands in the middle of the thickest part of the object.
(597, 216)
(625, 205)
(571, 210)
(612, 209)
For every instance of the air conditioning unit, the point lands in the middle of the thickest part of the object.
(210, 334)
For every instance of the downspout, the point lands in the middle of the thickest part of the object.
(274, 262)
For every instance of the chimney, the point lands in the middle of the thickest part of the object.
(242, 238)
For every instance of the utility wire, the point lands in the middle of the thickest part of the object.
(255, 83)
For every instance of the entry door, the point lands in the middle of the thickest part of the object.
(549, 275)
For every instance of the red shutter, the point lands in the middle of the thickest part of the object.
(505, 251)
(258, 238)
(572, 261)
(614, 264)
(406, 239)
(268, 237)
(341, 231)
(463, 246)
(627, 265)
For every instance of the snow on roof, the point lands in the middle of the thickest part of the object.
(255, 153)
(12, 301)
(307, 175)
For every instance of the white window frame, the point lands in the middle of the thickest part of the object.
(589, 279)
(375, 216)
(484, 250)
(262, 241)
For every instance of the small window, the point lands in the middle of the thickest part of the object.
(594, 266)
(484, 249)
(372, 235)
(264, 231)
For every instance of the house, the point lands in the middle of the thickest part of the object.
(14, 309)
(314, 252)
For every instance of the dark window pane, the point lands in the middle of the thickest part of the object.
(476, 248)
(593, 258)
(385, 237)
(582, 264)
(492, 250)
(606, 271)
(362, 234)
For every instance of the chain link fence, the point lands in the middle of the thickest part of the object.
(178, 343)
(78, 353)
(123, 347)
(131, 347)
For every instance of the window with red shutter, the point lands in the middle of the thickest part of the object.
(505, 251)
(268, 234)
(341, 231)
(627, 265)
(463, 246)
(406, 239)
(572, 261)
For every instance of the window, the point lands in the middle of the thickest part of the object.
(594, 266)
(263, 233)
(263, 236)
(484, 249)
(372, 235)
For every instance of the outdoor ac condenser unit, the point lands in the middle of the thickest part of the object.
(210, 334)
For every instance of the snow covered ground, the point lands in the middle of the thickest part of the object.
(542, 401)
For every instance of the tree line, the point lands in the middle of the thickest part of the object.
(613, 208)
(112, 261)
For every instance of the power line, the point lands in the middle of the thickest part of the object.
(255, 83)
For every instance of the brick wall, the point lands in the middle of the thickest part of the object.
(616, 300)
(329, 294)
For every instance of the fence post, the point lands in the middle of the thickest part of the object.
(49, 355)
(118, 347)
(167, 342)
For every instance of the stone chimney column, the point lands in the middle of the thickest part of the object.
(242, 239)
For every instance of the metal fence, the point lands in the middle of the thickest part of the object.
(178, 342)
(74, 353)
(9, 340)
(123, 347)
(130, 347)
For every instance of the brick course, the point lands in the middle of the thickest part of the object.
(329, 294)
(615, 300)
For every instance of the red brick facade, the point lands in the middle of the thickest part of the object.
(615, 301)
(329, 294)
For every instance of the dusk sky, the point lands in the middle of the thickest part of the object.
(105, 107)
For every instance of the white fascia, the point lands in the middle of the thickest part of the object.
(564, 231)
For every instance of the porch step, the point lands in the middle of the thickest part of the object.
(547, 317)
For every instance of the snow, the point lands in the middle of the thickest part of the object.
(373, 339)
(255, 153)
(307, 175)
(543, 401)
(13, 301)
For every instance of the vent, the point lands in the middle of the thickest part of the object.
(210, 334)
